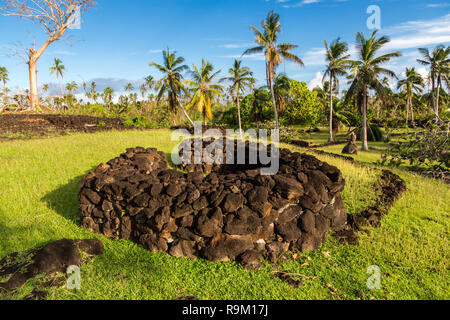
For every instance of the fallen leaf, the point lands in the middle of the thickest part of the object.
(306, 264)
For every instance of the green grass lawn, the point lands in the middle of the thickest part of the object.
(38, 204)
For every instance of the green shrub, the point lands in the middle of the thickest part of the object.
(304, 109)
(374, 133)
(429, 148)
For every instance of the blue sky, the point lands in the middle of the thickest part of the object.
(119, 38)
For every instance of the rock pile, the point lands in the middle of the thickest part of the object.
(202, 129)
(221, 155)
(351, 147)
(229, 214)
(48, 260)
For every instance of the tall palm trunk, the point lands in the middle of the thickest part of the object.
(239, 113)
(433, 101)
(184, 111)
(331, 109)
(365, 145)
(437, 94)
(408, 97)
(272, 93)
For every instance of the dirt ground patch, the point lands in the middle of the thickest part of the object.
(25, 126)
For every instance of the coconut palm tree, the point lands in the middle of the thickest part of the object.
(443, 72)
(323, 97)
(438, 61)
(129, 87)
(3, 79)
(366, 72)
(241, 79)
(107, 96)
(260, 97)
(71, 87)
(86, 92)
(412, 82)
(3, 76)
(171, 84)
(267, 42)
(45, 87)
(58, 68)
(338, 61)
(93, 91)
(149, 82)
(203, 89)
(281, 88)
(143, 89)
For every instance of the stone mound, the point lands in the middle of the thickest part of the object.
(202, 129)
(233, 213)
(51, 259)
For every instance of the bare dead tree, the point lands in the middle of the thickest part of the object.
(55, 17)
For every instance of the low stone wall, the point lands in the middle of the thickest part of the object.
(203, 129)
(233, 213)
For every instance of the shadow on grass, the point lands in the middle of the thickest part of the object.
(64, 200)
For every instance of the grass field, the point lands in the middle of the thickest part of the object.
(38, 204)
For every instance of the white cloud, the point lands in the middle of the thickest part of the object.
(314, 57)
(62, 53)
(416, 42)
(419, 33)
(256, 56)
(299, 4)
(155, 51)
(316, 82)
(237, 45)
(423, 72)
(438, 5)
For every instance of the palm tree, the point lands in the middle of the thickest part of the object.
(71, 87)
(149, 82)
(366, 71)
(443, 72)
(58, 68)
(203, 89)
(93, 91)
(267, 43)
(241, 79)
(108, 96)
(134, 97)
(3, 76)
(438, 62)
(143, 89)
(146, 86)
(86, 92)
(281, 88)
(259, 99)
(412, 82)
(45, 87)
(129, 87)
(171, 84)
(323, 97)
(338, 63)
